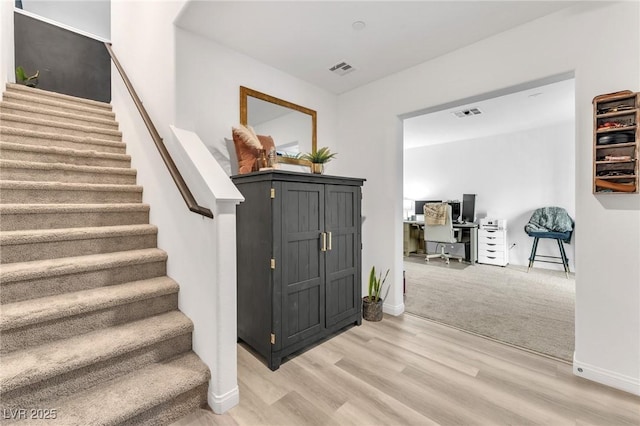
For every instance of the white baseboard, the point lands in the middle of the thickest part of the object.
(222, 403)
(606, 377)
(394, 310)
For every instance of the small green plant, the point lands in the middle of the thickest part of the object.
(375, 285)
(23, 78)
(296, 155)
(321, 156)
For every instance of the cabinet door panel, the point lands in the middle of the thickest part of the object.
(343, 259)
(303, 314)
(303, 262)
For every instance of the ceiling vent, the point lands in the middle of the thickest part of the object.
(467, 112)
(342, 68)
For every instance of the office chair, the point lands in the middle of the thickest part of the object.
(550, 222)
(435, 231)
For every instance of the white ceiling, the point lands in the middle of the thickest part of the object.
(306, 38)
(527, 109)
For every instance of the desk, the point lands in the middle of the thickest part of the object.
(414, 237)
(473, 239)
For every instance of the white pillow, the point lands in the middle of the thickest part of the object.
(233, 157)
(223, 155)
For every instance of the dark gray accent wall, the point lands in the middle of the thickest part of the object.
(68, 62)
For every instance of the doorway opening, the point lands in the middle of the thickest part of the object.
(515, 150)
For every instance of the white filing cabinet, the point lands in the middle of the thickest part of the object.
(493, 248)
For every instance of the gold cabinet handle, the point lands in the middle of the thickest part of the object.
(329, 241)
(324, 242)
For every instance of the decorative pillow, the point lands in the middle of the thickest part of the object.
(247, 136)
(248, 146)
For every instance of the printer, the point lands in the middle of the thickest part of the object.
(493, 224)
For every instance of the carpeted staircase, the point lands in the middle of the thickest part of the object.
(90, 329)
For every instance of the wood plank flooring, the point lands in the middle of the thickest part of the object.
(406, 370)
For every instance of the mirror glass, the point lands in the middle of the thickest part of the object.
(292, 127)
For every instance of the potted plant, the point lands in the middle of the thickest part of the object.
(23, 78)
(372, 304)
(318, 158)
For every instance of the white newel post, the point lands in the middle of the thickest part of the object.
(223, 388)
(214, 305)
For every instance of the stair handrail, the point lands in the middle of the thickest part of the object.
(162, 149)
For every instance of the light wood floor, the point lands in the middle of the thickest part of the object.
(409, 371)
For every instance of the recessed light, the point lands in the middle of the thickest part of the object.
(358, 25)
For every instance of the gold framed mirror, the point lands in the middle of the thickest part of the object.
(292, 127)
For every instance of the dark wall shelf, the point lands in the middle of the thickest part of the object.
(615, 143)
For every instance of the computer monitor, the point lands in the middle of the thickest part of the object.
(455, 210)
(468, 207)
(420, 205)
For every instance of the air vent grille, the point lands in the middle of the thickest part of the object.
(342, 68)
(467, 112)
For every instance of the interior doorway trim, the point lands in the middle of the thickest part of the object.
(490, 95)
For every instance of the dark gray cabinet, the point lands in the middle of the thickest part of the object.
(299, 273)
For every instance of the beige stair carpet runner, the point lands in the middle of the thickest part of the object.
(90, 328)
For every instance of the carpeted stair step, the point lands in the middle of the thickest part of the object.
(41, 278)
(49, 154)
(37, 321)
(18, 192)
(17, 217)
(41, 244)
(176, 387)
(51, 139)
(34, 376)
(40, 125)
(60, 172)
(158, 394)
(7, 107)
(46, 95)
(90, 323)
(53, 104)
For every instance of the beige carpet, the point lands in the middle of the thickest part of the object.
(91, 331)
(531, 310)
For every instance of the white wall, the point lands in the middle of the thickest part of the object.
(144, 41)
(91, 16)
(370, 142)
(210, 103)
(512, 175)
(7, 69)
(607, 235)
(192, 82)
